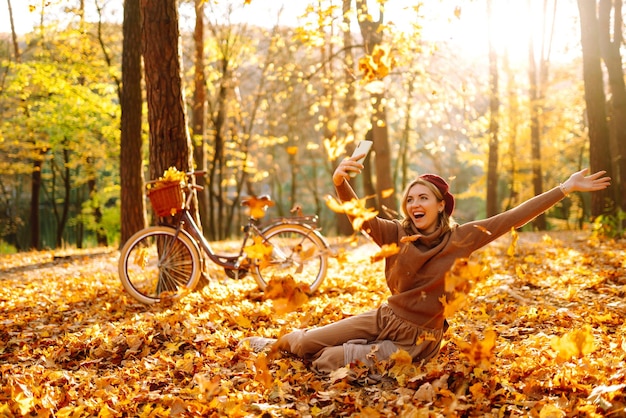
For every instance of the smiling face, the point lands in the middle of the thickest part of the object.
(423, 208)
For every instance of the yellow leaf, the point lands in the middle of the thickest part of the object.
(576, 343)
(354, 208)
(551, 411)
(387, 250)
(241, 320)
(479, 352)
(262, 371)
(386, 193)
(514, 237)
(401, 357)
(257, 206)
(403, 368)
(483, 229)
(207, 384)
(25, 402)
(286, 294)
(259, 250)
(410, 238)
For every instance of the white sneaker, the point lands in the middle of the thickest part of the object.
(258, 344)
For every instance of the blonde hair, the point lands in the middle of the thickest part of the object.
(446, 221)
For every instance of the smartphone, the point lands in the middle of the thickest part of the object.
(363, 148)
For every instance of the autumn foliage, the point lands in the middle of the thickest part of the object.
(541, 333)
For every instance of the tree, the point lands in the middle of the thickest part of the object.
(599, 143)
(133, 212)
(198, 108)
(610, 50)
(170, 143)
(494, 105)
(372, 36)
(538, 65)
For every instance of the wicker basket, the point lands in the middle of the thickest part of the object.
(167, 198)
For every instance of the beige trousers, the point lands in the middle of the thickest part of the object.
(338, 344)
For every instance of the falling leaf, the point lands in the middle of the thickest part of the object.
(479, 352)
(378, 64)
(386, 250)
(514, 237)
(259, 250)
(410, 238)
(483, 229)
(286, 294)
(257, 205)
(354, 208)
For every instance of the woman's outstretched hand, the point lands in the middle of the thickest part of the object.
(580, 182)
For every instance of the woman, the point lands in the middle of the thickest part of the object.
(430, 243)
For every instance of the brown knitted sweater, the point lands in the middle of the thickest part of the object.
(415, 275)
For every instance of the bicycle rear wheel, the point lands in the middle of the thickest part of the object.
(156, 263)
(299, 251)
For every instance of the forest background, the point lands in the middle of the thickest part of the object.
(503, 98)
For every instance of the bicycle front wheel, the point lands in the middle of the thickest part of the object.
(298, 251)
(156, 263)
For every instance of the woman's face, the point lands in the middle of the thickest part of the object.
(423, 208)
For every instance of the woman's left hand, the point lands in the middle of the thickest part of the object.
(580, 182)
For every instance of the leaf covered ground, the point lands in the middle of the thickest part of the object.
(540, 334)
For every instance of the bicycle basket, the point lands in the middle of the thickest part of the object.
(166, 198)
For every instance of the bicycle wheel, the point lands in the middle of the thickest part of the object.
(155, 263)
(298, 251)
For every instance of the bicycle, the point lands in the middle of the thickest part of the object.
(166, 260)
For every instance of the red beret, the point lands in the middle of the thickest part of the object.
(444, 188)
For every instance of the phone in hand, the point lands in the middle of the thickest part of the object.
(363, 148)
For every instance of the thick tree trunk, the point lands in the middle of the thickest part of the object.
(170, 143)
(133, 211)
(599, 149)
(610, 49)
(379, 131)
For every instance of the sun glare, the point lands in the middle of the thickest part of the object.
(513, 24)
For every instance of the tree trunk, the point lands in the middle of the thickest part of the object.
(217, 163)
(66, 176)
(494, 105)
(611, 55)
(16, 48)
(199, 109)
(133, 211)
(170, 143)
(344, 227)
(35, 187)
(535, 137)
(538, 79)
(370, 30)
(599, 148)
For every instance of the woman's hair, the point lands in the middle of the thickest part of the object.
(446, 221)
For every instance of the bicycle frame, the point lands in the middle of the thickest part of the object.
(231, 262)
